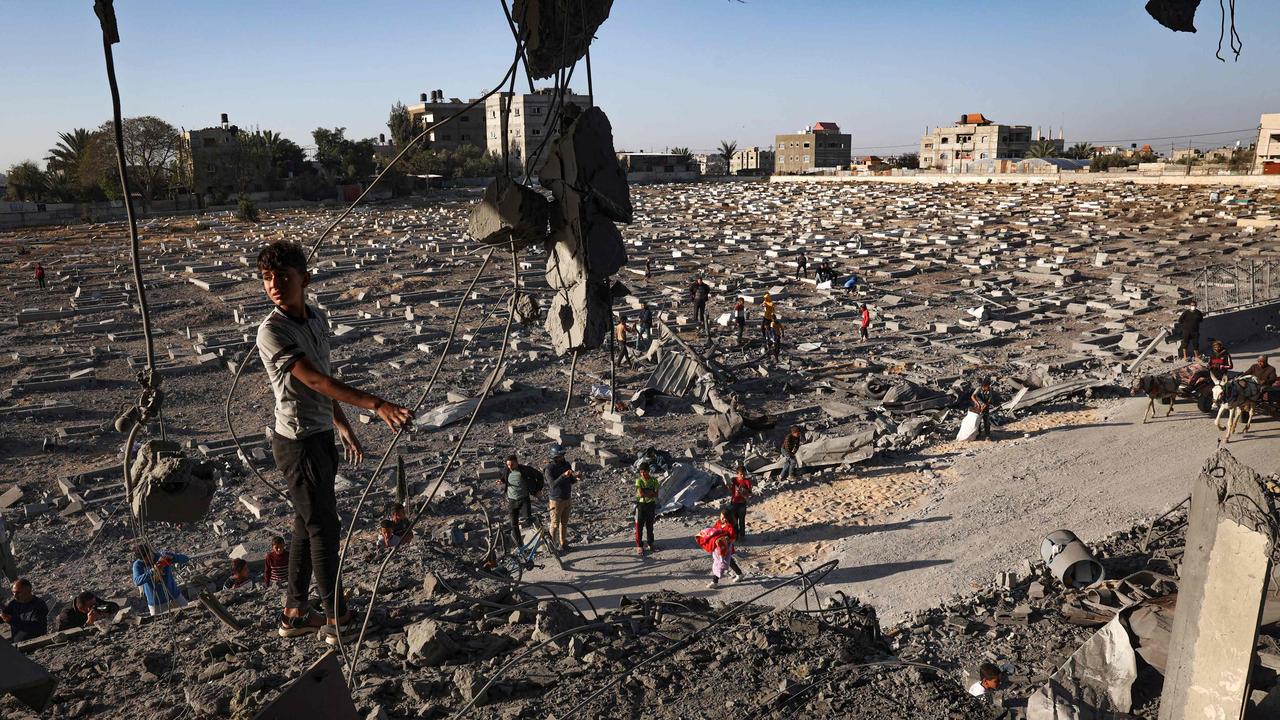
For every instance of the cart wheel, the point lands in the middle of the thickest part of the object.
(1204, 401)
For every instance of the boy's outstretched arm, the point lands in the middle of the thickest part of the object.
(393, 415)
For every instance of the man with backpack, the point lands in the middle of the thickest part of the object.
(520, 482)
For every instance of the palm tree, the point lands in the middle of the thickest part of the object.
(1045, 148)
(727, 149)
(682, 154)
(1080, 151)
(70, 150)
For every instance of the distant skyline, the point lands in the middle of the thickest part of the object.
(667, 72)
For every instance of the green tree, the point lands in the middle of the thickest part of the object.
(402, 126)
(1189, 159)
(72, 147)
(1242, 158)
(907, 161)
(683, 156)
(61, 187)
(151, 149)
(27, 182)
(346, 160)
(1102, 163)
(1080, 151)
(727, 149)
(1044, 148)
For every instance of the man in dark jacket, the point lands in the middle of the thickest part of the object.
(86, 609)
(1189, 324)
(520, 482)
(560, 477)
(26, 614)
(699, 294)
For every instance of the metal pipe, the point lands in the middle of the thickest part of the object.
(1069, 560)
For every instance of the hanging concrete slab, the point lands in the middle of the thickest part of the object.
(168, 486)
(320, 692)
(557, 34)
(22, 678)
(1224, 575)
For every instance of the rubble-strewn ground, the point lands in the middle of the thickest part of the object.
(389, 280)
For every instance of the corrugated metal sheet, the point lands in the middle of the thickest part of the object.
(674, 374)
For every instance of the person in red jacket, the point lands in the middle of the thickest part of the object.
(275, 568)
(866, 321)
(40, 275)
(722, 553)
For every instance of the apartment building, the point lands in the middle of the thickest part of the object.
(821, 145)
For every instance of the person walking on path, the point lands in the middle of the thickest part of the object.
(789, 446)
(767, 313)
(866, 321)
(293, 343)
(740, 316)
(980, 402)
(1189, 325)
(560, 477)
(802, 265)
(620, 343)
(40, 276)
(521, 483)
(722, 543)
(739, 493)
(646, 509)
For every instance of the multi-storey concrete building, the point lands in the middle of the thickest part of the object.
(222, 163)
(1268, 148)
(972, 139)
(752, 161)
(466, 129)
(819, 146)
(529, 122)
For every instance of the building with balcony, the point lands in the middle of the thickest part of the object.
(975, 138)
(820, 146)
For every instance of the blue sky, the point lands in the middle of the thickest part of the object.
(668, 72)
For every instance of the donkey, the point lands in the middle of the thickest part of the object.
(1157, 387)
(1235, 397)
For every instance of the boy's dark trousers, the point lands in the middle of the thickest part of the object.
(309, 466)
(645, 514)
(984, 429)
(738, 512)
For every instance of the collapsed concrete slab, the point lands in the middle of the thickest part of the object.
(320, 692)
(1224, 574)
(838, 450)
(509, 211)
(22, 678)
(1093, 683)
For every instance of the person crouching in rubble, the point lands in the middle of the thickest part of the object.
(154, 575)
(399, 518)
(790, 444)
(275, 566)
(980, 402)
(26, 614)
(387, 537)
(293, 342)
(989, 678)
(85, 610)
(240, 577)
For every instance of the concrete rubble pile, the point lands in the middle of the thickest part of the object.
(1073, 282)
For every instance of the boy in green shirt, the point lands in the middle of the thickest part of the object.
(646, 508)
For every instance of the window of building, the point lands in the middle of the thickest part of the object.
(806, 144)
(944, 141)
(928, 145)
(536, 131)
(536, 110)
(983, 156)
(516, 112)
(942, 156)
(464, 137)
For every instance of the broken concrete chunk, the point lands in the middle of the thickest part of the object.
(22, 678)
(428, 643)
(509, 211)
(320, 692)
(578, 318)
(557, 34)
(582, 162)
(168, 486)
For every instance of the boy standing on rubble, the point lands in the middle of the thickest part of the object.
(739, 493)
(293, 342)
(646, 508)
(740, 316)
(790, 445)
(980, 403)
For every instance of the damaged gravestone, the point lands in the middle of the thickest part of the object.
(581, 170)
(1223, 583)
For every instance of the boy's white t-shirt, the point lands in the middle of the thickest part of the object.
(282, 341)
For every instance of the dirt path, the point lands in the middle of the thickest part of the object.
(908, 540)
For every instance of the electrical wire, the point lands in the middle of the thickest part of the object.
(444, 471)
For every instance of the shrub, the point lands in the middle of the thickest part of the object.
(246, 209)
